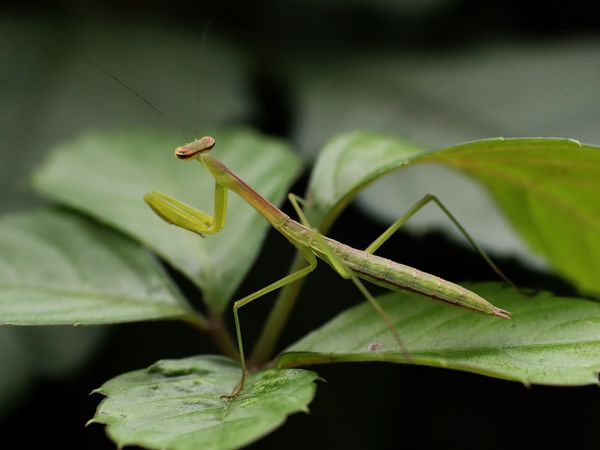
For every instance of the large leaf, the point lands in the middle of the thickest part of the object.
(550, 340)
(62, 269)
(349, 163)
(106, 175)
(177, 404)
(548, 188)
(468, 200)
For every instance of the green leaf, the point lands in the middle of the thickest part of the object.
(550, 340)
(548, 188)
(58, 268)
(468, 200)
(177, 404)
(473, 92)
(106, 176)
(348, 164)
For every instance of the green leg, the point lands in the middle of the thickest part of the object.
(335, 262)
(343, 270)
(413, 210)
(312, 263)
(185, 216)
(341, 267)
(295, 201)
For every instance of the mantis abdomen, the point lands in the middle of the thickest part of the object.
(395, 276)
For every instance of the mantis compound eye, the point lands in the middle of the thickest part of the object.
(193, 149)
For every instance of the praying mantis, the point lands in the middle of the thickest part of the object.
(348, 262)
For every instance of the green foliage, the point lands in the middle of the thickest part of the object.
(548, 188)
(348, 164)
(60, 268)
(551, 340)
(65, 270)
(106, 176)
(177, 404)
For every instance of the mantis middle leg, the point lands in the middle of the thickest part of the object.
(413, 210)
(344, 271)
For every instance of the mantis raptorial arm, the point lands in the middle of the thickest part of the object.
(185, 216)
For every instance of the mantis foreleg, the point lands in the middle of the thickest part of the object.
(185, 216)
(413, 210)
(182, 215)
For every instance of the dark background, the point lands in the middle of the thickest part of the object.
(261, 61)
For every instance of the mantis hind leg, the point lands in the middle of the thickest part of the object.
(416, 208)
(343, 270)
(312, 264)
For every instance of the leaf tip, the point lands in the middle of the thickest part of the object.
(97, 391)
(91, 421)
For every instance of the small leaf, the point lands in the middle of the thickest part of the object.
(58, 268)
(348, 164)
(548, 188)
(107, 176)
(177, 404)
(550, 340)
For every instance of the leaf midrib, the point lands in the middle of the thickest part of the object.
(440, 351)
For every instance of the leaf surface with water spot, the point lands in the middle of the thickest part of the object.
(177, 404)
(550, 340)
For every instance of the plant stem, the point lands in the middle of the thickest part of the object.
(217, 331)
(278, 316)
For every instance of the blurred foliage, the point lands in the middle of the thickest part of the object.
(437, 72)
(85, 274)
(107, 175)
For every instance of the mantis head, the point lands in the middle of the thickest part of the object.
(195, 148)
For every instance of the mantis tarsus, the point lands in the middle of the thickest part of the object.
(348, 262)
